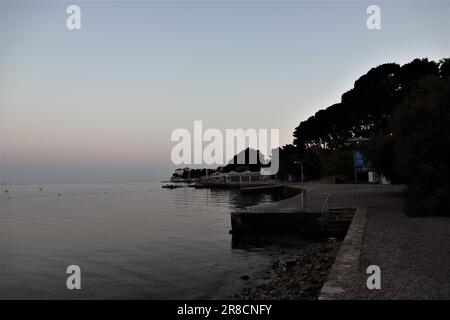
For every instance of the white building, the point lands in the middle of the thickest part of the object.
(233, 176)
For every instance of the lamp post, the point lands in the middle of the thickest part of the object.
(303, 198)
(301, 169)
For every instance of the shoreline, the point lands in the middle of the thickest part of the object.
(298, 267)
(293, 274)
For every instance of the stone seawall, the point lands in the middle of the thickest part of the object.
(347, 259)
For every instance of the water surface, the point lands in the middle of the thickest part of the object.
(130, 241)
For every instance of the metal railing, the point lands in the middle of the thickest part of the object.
(325, 211)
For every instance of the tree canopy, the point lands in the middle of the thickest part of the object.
(367, 108)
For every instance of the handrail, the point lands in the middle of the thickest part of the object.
(324, 213)
(327, 201)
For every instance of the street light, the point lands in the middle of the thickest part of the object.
(301, 168)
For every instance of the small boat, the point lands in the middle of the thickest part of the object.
(171, 186)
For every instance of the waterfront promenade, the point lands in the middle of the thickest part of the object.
(412, 252)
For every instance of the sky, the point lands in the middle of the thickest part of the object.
(99, 104)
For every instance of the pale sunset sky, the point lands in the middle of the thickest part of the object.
(99, 104)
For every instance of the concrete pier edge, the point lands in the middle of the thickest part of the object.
(347, 259)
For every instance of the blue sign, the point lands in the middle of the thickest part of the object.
(358, 159)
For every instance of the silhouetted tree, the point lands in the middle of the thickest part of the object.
(444, 67)
(421, 127)
(367, 108)
(290, 155)
(381, 152)
(248, 159)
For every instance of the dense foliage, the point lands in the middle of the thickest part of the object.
(365, 109)
(421, 131)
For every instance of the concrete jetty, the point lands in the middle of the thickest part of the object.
(305, 214)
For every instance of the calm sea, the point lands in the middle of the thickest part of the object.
(130, 241)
